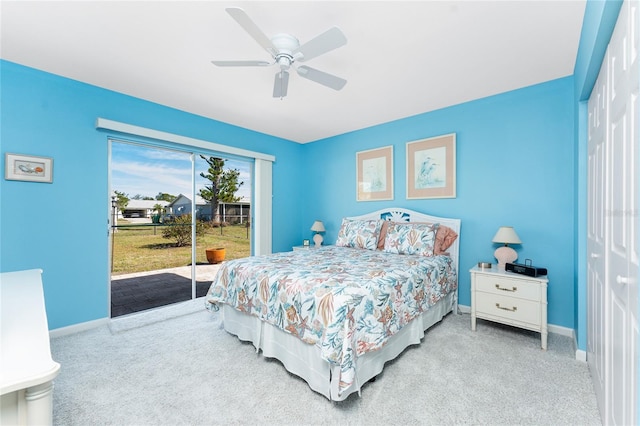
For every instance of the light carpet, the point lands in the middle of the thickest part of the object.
(179, 367)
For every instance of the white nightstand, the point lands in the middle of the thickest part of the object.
(509, 298)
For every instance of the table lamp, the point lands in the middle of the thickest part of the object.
(506, 235)
(317, 227)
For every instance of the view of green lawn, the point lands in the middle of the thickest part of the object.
(138, 248)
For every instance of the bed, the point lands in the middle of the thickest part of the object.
(335, 315)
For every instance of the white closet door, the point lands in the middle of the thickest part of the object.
(623, 183)
(633, 194)
(613, 208)
(618, 248)
(596, 227)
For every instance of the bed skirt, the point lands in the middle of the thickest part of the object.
(304, 360)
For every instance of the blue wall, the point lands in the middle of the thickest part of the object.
(515, 166)
(62, 227)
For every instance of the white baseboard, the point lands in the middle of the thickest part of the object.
(563, 331)
(134, 320)
(76, 328)
(556, 329)
(570, 332)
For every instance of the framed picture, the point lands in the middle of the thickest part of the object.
(28, 168)
(431, 167)
(374, 174)
(305, 243)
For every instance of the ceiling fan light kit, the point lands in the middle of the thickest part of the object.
(285, 50)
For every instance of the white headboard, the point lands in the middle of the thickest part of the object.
(397, 214)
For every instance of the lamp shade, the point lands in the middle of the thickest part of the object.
(506, 235)
(317, 226)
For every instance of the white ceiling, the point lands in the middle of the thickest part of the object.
(401, 58)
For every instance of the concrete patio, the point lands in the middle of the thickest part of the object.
(140, 291)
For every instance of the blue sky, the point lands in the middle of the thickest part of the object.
(137, 169)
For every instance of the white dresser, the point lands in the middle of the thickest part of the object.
(509, 298)
(26, 368)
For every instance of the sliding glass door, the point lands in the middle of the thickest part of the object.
(222, 203)
(175, 215)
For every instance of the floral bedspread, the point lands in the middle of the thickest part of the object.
(347, 301)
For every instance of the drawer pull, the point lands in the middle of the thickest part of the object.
(506, 289)
(515, 308)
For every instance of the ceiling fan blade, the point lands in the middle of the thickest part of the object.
(325, 42)
(281, 84)
(321, 77)
(249, 26)
(241, 63)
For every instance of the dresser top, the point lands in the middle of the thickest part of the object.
(495, 271)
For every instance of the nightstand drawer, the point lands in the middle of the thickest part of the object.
(509, 308)
(519, 288)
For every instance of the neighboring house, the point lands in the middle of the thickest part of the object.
(182, 205)
(142, 208)
(237, 212)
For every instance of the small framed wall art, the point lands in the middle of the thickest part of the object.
(28, 168)
(431, 167)
(374, 174)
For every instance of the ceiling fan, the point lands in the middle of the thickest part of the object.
(285, 50)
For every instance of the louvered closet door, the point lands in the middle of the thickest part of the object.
(596, 227)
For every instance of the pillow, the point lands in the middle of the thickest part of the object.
(445, 236)
(410, 238)
(359, 233)
(383, 234)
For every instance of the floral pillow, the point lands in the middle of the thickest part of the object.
(359, 233)
(445, 237)
(410, 238)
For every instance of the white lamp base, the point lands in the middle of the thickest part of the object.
(317, 239)
(505, 254)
